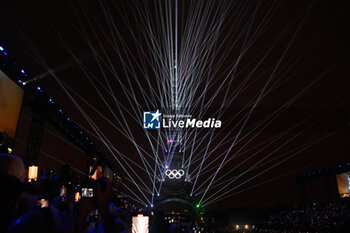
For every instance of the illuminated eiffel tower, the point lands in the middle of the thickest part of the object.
(175, 180)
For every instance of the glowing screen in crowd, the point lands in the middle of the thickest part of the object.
(32, 173)
(11, 97)
(343, 181)
(140, 224)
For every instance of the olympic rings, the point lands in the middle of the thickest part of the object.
(174, 173)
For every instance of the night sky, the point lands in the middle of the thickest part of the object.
(311, 37)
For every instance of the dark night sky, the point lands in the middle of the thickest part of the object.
(320, 48)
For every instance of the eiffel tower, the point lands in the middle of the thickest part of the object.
(174, 182)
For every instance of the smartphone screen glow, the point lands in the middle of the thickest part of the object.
(140, 224)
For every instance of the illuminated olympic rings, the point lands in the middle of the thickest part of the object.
(174, 173)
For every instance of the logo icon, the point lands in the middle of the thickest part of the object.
(151, 120)
(174, 173)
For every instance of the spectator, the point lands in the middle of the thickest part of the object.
(12, 165)
(9, 199)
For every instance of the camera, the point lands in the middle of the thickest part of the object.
(88, 188)
(87, 192)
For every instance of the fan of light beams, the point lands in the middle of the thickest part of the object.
(217, 59)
